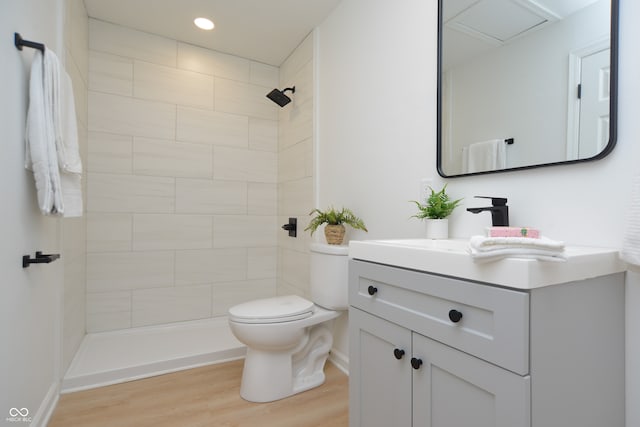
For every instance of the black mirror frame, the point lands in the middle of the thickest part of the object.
(613, 102)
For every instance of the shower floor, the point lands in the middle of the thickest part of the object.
(117, 356)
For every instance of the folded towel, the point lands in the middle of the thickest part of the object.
(498, 254)
(484, 156)
(631, 244)
(483, 244)
(52, 134)
(485, 249)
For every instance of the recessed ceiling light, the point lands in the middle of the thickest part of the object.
(203, 23)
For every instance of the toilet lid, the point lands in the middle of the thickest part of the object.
(272, 310)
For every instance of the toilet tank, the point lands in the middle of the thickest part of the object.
(329, 275)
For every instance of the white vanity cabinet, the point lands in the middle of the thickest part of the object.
(435, 351)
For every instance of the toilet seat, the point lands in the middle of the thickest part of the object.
(272, 310)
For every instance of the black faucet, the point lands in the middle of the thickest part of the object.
(499, 210)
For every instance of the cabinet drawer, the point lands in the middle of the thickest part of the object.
(494, 325)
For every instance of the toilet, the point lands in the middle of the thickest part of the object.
(288, 338)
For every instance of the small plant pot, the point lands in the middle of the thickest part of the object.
(437, 228)
(334, 234)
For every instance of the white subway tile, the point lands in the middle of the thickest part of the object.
(296, 197)
(244, 165)
(296, 162)
(210, 265)
(109, 302)
(111, 74)
(264, 75)
(214, 63)
(102, 322)
(263, 134)
(232, 231)
(109, 232)
(164, 231)
(212, 127)
(171, 85)
(77, 34)
(262, 263)
(243, 98)
(263, 199)
(128, 193)
(297, 127)
(165, 305)
(123, 41)
(226, 295)
(110, 153)
(295, 268)
(207, 196)
(128, 270)
(298, 59)
(167, 158)
(128, 116)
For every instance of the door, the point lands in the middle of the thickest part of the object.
(452, 388)
(594, 104)
(379, 373)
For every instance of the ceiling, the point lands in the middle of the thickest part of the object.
(473, 27)
(262, 30)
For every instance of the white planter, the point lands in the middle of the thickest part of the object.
(437, 228)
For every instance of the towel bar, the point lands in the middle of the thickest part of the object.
(20, 42)
(39, 259)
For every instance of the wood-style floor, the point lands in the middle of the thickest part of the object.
(207, 396)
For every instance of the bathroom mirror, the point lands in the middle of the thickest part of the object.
(525, 83)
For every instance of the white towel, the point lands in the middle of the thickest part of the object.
(41, 155)
(484, 249)
(631, 244)
(484, 156)
(54, 126)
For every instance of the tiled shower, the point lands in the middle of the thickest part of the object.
(190, 172)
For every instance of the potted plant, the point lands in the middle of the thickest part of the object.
(334, 230)
(437, 207)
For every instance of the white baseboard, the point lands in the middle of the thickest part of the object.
(48, 405)
(339, 359)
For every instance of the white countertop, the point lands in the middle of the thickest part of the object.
(450, 257)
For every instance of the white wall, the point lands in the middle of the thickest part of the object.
(377, 88)
(31, 304)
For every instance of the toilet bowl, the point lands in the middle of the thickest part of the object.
(288, 338)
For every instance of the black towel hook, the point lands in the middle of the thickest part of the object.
(20, 42)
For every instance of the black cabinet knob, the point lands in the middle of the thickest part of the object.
(416, 363)
(372, 290)
(455, 316)
(398, 353)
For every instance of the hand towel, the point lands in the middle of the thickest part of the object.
(485, 156)
(485, 249)
(484, 244)
(631, 244)
(41, 156)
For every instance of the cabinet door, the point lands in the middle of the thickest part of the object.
(379, 382)
(454, 389)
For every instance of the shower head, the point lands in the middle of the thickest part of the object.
(279, 97)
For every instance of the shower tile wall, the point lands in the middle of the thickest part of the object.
(295, 169)
(76, 40)
(182, 180)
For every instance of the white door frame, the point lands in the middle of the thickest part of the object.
(573, 102)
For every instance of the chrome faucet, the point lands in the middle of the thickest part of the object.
(499, 210)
